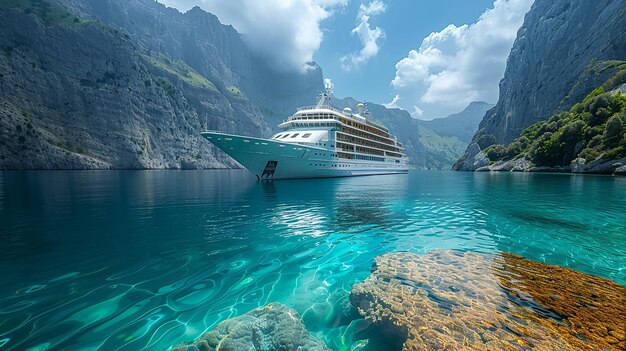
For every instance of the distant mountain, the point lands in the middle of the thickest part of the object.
(437, 151)
(462, 125)
(443, 140)
(428, 144)
(553, 64)
(129, 84)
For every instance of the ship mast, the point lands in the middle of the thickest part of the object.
(324, 98)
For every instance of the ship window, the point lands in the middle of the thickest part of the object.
(306, 135)
(295, 135)
(286, 135)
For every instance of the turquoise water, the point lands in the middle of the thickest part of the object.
(132, 260)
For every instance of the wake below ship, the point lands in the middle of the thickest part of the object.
(318, 142)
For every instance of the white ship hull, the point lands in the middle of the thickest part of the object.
(270, 159)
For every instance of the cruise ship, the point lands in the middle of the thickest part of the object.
(318, 142)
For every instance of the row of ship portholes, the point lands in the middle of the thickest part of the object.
(323, 164)
(362, 166)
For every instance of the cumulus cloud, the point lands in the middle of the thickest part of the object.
(368, 36)
(458, 65)
(393, 103)
(287, 33)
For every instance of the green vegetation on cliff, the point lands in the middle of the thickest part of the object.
(180, 70)
(592, 129)
(233, 90)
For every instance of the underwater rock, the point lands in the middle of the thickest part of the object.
(452, 300)
(273, 327)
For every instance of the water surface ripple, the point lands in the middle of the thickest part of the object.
(144, 260)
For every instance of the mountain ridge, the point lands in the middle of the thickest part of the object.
(81, 91)
(462, 124)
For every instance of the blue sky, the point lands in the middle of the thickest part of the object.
(431, 58)
(406, 23)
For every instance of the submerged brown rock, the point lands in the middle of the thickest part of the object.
(453, 300)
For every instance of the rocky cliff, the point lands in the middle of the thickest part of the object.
(589, 138)
(214, 50)
(552, 63)
(129, 84)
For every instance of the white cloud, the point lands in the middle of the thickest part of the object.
(417, 112)
(368, 36)
(287, 33)
(393, 103)
(458, 65)
(375, 7)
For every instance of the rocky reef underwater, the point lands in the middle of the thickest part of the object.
(450, 300)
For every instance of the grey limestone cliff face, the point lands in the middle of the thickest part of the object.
(216, 51)
(128, 85)
(81, 96)
(472, 160)
(551, 65)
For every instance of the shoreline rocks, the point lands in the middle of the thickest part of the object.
(473, 160)
(451, 300)
(476, 161)
(271, 327)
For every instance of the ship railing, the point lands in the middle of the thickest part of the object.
(328, 107)
(377, 125)
(324, 107)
